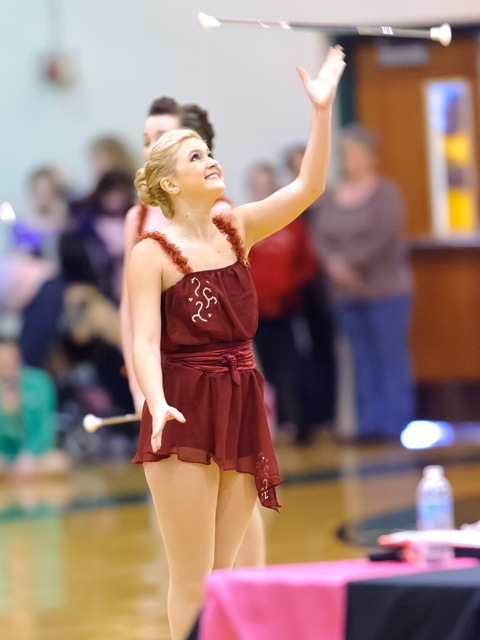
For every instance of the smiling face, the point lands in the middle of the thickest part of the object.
(196, 172)
(156, 126)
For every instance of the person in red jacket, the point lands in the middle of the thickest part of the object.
(283, 266)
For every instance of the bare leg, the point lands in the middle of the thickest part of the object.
(203, 513)
(236, 500)
(185, 499)
(252, 552)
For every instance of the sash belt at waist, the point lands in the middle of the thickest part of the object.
(232, 357)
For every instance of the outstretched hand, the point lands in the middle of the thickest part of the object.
(322, 89)
(158, 423)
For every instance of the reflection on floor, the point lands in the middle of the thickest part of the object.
(81, 558)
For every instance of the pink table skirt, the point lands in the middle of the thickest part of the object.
(289, 602)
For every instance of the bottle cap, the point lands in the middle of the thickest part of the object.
(434, 470)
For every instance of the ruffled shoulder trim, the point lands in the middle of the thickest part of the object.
(170, 249)
(226, 227)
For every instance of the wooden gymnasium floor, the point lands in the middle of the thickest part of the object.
(81, 558)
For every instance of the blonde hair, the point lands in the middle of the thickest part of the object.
(160, 166)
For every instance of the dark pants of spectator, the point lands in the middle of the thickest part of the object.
(107, 362)
(319, 317)
(293, 375)
(275, 346)
(40, 322)
(377, 333)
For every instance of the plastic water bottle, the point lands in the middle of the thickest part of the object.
(435, 511)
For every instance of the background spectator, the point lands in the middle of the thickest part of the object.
(48, 215)
(27, 417)
(357, 228)
(108, 153)
(318, 316)
(92, 250)
(282, 265)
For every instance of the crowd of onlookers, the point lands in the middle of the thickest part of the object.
(61, 283)
(337, 272)
(335, 293)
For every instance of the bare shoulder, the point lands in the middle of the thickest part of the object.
(147, 254)
(144, 280)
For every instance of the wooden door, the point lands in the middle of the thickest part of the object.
(390, 101)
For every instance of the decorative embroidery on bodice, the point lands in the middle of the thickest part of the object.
(203, 299)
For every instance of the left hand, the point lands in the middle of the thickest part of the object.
(322, 89)
(159, 419)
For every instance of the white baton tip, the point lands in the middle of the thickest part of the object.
(207, 22)
(91, 423)
(442, 34)
(7, 214)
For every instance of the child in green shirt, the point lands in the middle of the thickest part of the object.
(27, 416)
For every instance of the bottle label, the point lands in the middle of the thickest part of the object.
(435, 514)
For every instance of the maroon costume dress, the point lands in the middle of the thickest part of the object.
(209, 374)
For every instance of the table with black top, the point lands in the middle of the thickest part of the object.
(438, 605)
